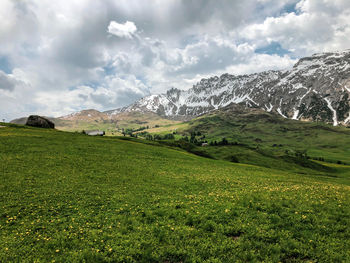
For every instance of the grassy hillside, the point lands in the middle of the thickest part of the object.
(67, 197)
(265, 139)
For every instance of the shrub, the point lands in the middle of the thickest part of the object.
(234, 159)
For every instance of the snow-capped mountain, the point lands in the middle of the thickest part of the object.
(317, 88)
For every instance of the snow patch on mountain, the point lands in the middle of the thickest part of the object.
(329, 103)
(348, 89)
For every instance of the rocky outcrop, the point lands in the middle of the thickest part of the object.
(40, 122)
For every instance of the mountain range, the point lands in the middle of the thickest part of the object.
(317, 88)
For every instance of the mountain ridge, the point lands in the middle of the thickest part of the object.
(317, 88)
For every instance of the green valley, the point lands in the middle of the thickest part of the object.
(68, 197)
(260, 138)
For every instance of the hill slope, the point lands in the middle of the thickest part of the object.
(264, 138)
(70, 197)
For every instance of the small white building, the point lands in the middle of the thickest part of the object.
(94, 133)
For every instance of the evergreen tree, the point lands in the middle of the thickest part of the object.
(224, 141)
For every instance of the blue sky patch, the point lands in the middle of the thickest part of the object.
(109, 70)
(5, 65)
(274, 48)
(289, 8)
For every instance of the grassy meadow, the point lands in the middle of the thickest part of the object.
(67, 197)
(265, 139)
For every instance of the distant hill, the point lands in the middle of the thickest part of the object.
(21, 120)
(113, 124)
(86, 115)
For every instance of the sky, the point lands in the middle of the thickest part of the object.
(58, 57)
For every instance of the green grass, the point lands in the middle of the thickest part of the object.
(67, 197)
(268, 140)
(266, 130)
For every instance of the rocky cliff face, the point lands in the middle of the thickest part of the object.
(317, 88)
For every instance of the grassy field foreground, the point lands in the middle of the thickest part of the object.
(67, 197)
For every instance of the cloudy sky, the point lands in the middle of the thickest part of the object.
(57, 57)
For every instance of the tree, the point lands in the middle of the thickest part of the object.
(157, 137)
(234, 159)
(185, 138)
(169, 136)
(224, 141)
(193, 136)
(195, 141)
(302, 154)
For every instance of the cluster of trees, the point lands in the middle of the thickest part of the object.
(195, 133)
(193, 138)
(158, 137)
(301, 154)
(223, 141)
(329, 161)
(130, 132)
(200, 141)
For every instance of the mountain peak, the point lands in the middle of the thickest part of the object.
(317, 88)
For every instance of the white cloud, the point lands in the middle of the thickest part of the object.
(64, 56)
(262, 62)
(116, 91)
(317, 26)
(7, 82)
(126, 30)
